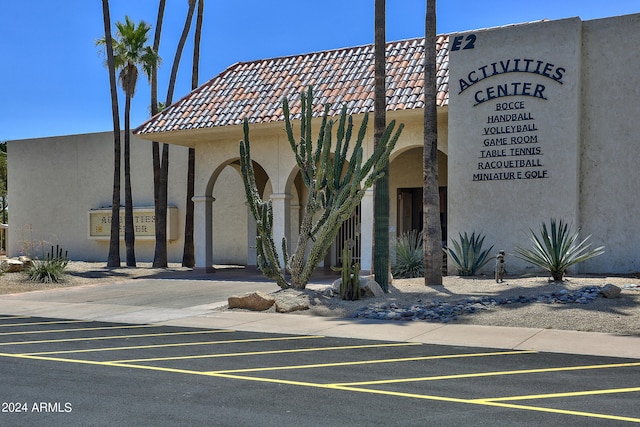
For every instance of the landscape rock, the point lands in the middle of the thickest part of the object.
(610, 291)
(10, 265)
(369, 287)
(256, 301)
(290, 300)
(26, 261)
(448, 311)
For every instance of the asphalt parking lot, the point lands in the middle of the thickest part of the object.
(69, 372)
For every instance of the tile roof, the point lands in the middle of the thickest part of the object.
(254, 90)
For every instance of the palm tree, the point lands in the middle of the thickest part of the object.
(432, 239)
(130, 52)
(160, 255)
(381, 188)
(155, 146)
(113, 259)
(188, 255)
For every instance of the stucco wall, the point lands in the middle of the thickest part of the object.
(54, 182)
(230, 219)
(586, 132)
(218, 174)
(610, 175)
(513, 131)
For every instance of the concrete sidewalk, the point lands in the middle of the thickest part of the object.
(191, 300)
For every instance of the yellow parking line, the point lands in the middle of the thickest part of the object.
(330, 386)
(564, 394)
(428, 397)
(375, 361)
(265, 352)
(187, 344)
(52, 331)
(54, 322)
(113, 337)
(558, 411)
(492, 374)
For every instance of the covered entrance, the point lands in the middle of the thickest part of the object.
(410, 210)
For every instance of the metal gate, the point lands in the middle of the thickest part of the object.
(349, 234)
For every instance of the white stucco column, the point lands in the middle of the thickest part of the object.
(203, 233)
(366, 230)
(252, 231)
(281, 221)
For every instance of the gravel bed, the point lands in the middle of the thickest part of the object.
(533, 301)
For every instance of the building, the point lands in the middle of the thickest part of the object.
(535, 121)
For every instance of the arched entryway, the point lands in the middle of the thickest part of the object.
(226, 228)
(405, 190)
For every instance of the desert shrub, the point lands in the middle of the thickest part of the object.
(467, 253)
(407, 254)
(50, 269)
(556, 248)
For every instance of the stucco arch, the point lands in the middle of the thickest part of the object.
(405, 188)
(261, 175)
(227, 229)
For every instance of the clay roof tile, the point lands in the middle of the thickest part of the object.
(254, 90)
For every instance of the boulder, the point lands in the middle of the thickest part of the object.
(26, 261)
(10, 265)
(256, 301)
(290, 300)
(368, 287)
(610, 291)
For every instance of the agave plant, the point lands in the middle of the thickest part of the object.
(556, 248)
(467, 254)
(408, 256)
(50, 269)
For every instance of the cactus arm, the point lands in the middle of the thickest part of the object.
(335, 188)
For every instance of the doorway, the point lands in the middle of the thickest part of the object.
(410, 210)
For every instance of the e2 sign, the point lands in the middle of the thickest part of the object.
(462, 42)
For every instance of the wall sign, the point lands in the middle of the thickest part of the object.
(144, 223)
(509, 145)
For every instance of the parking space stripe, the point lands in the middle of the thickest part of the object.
(565, 394)
(53, 331)
(492, 374)
(431, 397)
(371, 362)
(53, 322)
(183, 344)
(112, 337)
(223, 374)
(265, 352)
(558, 411)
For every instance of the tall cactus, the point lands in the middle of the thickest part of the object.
(336, 186)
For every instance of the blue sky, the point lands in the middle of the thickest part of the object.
(53, 82)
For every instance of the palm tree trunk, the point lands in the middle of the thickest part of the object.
(155, 146)
(381, 188)
(113, 259)
(432, 237)
(188, 255)
(160, 257)
(129, 236)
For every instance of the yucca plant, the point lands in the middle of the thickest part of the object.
(50, 269)
(407, 254)
(556, 248)
(467, 254)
